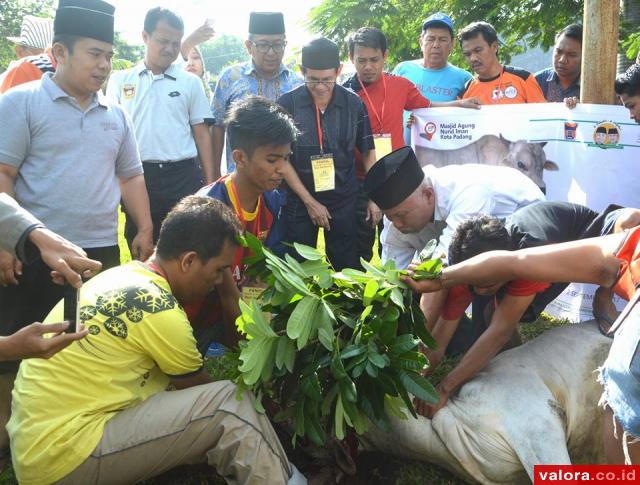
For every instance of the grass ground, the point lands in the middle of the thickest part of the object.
(373, 468)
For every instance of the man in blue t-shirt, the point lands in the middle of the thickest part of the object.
(434, 77)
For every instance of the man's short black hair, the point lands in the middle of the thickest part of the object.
(67, 40)
(200, 224)
(474, 29)
(368, 37)
(255, 121)
(573, 31)
(157, 14)
(478, 235)
(629, 82)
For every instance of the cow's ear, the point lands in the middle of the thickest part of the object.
(552, 166)
(543, 143)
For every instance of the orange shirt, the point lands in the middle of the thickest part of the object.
(629, 254)
(28, 69)
(511, 86)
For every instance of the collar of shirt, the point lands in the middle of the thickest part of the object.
(171, 72)
(250, 68)
(56, 92)
(553, 77)
(338, 98)
(354, 84)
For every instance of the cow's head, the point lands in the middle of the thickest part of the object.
(528, 158)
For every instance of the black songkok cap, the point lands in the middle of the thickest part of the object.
(85, 18)
(320, 53)
(393, 178)
(266, 23)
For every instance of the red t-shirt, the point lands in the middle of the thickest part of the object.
(397, 94)
(460, 297)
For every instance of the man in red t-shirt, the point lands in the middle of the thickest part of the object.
(386, 96)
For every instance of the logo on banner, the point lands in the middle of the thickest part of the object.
(606, 135)
(570, 130)
(430, 129)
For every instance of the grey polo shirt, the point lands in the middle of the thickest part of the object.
(163, 108)
(69, 160)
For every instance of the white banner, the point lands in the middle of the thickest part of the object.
(589, 155)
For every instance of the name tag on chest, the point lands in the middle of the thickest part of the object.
(324, 172)
(383, 145)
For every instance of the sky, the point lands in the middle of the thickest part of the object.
(230, 16)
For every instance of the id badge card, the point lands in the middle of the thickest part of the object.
(324, 172)
(254, 293)
(383, 145)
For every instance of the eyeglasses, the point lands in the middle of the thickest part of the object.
(264, 47)
(314, 83)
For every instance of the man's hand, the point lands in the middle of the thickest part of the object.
(469, 103)
(319, 214)
(142, 245)
(374, 214)
(422, 286)
(29, 342)
(410, 120)
(429, 410)
(571, 102)
(10, 267)
(68, 261)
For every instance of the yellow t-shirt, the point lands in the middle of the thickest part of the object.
(138, 336)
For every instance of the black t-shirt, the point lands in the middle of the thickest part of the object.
(345, 127)
(547, 222)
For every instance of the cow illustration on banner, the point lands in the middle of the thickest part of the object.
(589, 155)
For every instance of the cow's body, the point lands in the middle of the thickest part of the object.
(527, 157)
(534, 404)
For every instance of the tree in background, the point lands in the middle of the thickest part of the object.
(222, 51)
(520, 23)
(11, 13)
(132, 53)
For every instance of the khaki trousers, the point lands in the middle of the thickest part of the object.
(202, 424)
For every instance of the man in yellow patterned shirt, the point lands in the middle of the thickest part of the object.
(98, 411)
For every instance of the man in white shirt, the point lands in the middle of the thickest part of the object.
(421, 204)
(170, 111)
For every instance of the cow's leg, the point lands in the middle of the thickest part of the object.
(538, 435)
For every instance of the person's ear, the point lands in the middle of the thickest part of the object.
(385, 55)
(186, 261)
(240, 157)
(145, 37)
(247, 45)
(59, 52)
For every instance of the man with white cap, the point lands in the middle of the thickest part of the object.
(264, 75)
(33, 53)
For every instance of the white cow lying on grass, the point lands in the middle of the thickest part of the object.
(534, 404)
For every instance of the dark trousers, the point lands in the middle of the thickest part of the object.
(366, 233)
(470, 329)
(167, 183)
(340, 242)
(36, 295)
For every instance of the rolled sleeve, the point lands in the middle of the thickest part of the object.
(128, 162)
(199, 110)
(14, 126)
(15, 225)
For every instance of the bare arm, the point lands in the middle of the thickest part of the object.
(217, 137)
(586, 261)
(29, 342)
(431, 305)
(201, 377)
(136, 201)
(9, 265)
(202, 138)
(318, 213)
(229, 297)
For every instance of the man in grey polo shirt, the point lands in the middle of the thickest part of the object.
(67, 155)
(169, 110)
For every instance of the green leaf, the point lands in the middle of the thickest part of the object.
(396, 297)
(378, 360)
(403, 343)
(427, 251)
(281, 351)
(372, 370)
(371, 268)
(310, 387)
(339, 419)
(290, 357)
(337, 368)
(325, 327)
(419, 387)
(365, 313)
(327, 402)
(411, 361)
(258, 402)
(429, 270)
(352, 351)
(370, 290)
(301, 316)
(348, 390)
(314, 430)
(307, 252)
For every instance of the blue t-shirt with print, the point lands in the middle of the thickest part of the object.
(444, 84)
